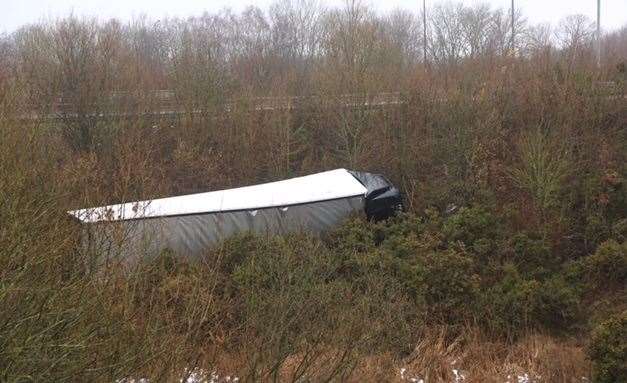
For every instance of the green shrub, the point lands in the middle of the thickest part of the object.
(292, 292)
(596, 229)
(235, 250)
(354, 235)
(276, 261)
(532, 256)
(608, 350)
(283, 301)
(559, 304)
(607, 267)
(471, 224)
(509, 306)
(404, 224)
(545, 162)
(619, 230)
(357, 267)
(476, 228)
(354, 249)
(407, 234)
(359, 254)
(448, 284)
(402, 246)
(516, 304)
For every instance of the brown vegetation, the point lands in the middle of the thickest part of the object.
(512, 159)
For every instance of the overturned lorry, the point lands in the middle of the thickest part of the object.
(191, 224)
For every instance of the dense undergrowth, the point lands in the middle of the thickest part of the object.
(298, 307)
(497, 285)
(511, 259)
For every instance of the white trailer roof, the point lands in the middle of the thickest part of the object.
(327, 185)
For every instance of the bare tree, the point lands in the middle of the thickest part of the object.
(198, 70)
(297, 47)
(146, 45)
(402, 31)
(447, 39)
(296, 37)
(7, 79)
(108, 51)
(350, 45)
(250, 37)
(478, 29)
(538, 38)
(575, 35)
(615, 48)
(35, 67)
(74, 49)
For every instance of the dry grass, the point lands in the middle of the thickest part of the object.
(541, 358)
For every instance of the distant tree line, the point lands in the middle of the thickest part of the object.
(295, 47)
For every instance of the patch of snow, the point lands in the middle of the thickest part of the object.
(459, 376)
(407, 376)
(196, 375)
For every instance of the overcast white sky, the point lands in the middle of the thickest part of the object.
(14, 13)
